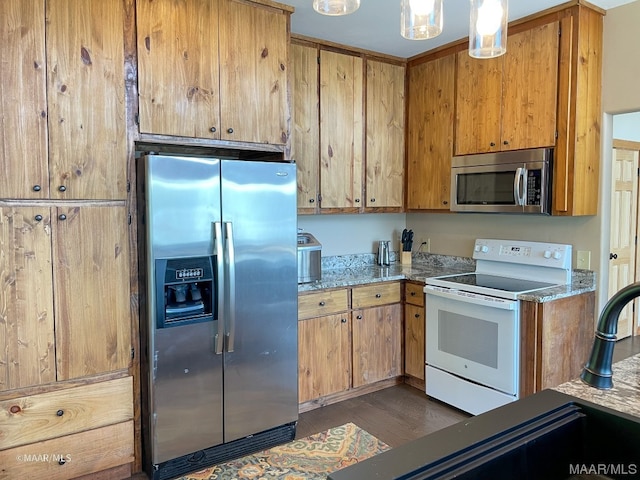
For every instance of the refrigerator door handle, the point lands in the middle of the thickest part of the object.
(218, 243)
(231, 264)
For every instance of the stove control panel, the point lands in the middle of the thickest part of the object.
(554, 255)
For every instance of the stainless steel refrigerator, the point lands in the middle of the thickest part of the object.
(219, 309)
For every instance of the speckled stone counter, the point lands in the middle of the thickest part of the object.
(349, 270)
(625, 394)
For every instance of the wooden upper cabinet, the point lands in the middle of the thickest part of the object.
(341, 129)
(305, 136)
(385, 121)
(24, 169)
(213, 69)
(178, 78)
(509, 102)
(431, 100)
(92, 307)
(85, 65)
(63, 131)
(27, 348)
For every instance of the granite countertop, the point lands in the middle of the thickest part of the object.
(625, 394)
(350, 270)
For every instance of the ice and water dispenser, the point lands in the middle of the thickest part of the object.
(185, 289)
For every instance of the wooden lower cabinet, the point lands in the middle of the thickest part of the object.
(414, 334)
(69, 432)
(324, 359)
(377, 344)
(349, 342)
(556, 340)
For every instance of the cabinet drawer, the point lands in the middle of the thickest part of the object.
(71, 456)
(374, 295)
(414, 294)
(54, 414)
(322, 303)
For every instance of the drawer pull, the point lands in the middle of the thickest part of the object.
(343, 320)
(413, 294)
(322, 304)
(359, 317)
(62, 461)
(417, 315)
(60, 413)
(378, 295)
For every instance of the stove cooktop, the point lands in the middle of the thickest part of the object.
(498, 286)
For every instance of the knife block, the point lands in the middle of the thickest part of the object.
(405, 258)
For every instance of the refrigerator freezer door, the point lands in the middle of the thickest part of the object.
(261, 374)
(188, 391)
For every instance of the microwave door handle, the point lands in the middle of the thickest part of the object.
(519, 186)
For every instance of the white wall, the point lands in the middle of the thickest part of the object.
(626, 126)
(349, 234)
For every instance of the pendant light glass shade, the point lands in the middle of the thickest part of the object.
(488, 28)
(421, 19)
(336, 7)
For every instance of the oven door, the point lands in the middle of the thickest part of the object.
(507, 188)
(473, 336)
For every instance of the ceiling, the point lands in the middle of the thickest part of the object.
(376, 24)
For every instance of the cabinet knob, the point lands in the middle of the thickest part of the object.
(506, 142)
(322, 304)
(444, 202)
(378, 295)
(38, 218)
(312, 200)
(343, 320)
(62, 461)
(62, 188)
(359, 317)
(62, 216)
(37, 188)
(492, 144)
(357, 200)
(229, 130)
(417, 315)
(213, 130)
(373, 200)
(413, 294)
(60, 413)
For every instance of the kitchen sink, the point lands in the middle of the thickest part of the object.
(545, 436)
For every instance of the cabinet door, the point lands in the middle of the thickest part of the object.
(254, 54)
(377, 344)
(530, 88)
(478, 104)
(91, 274)
(85, 64)
(306, 125)
(385, 135)
(24, 169)
(414, 341)
(324, 365)
(430, 133)
(178, 67)
(26, 298)
(341, 128)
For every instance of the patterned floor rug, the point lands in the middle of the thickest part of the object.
(309, 458)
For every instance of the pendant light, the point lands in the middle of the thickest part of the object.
(336, 7)
(421, 19)
(488, 28)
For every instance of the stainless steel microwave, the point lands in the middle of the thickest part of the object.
(503, 182)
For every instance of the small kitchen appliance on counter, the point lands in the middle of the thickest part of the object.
(473, 321)
(309, 258)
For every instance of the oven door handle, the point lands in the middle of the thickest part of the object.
(474, 298)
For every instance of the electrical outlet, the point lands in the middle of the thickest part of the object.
(425, 245)
(584, 259)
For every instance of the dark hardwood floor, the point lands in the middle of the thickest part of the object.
(395, 415)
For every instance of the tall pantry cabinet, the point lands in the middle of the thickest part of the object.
(65, 319)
